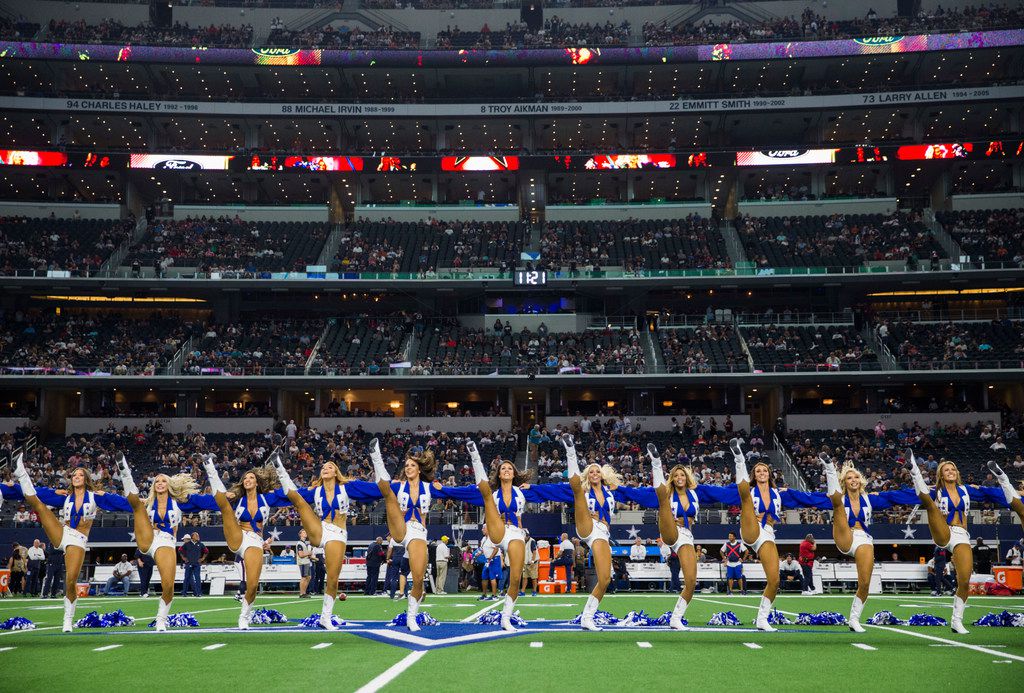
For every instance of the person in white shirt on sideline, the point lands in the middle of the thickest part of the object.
(566, 559)
(36, 560)
(442, 554)
(122, 575)
(789, 571)
(638, 552)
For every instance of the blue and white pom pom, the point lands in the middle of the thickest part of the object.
(664, 619)
(493, 618)
(825, 618)
(115, 619)
(313, 621)
(179, 621)
(422, 619)
(267, 616)
(1006, 619)
(638, 618)
(17, 623)
(777, 618)
(926, 620)
(724, 618)
(886, 618)
(601, 618)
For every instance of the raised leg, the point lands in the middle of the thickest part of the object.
(936, 522)
(841, 531)
(143, 525)
(749, 527)
(232, 530)
(396, 520)
(666, 520)
(495, 524)
(581, 511)
(311, 522)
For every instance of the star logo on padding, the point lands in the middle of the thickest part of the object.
(131, 536)
(275, 534)
(909, 532)
(633, 532)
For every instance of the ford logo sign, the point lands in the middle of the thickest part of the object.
(178, 165)
(878, 40)
(784, 153)
(272, 51)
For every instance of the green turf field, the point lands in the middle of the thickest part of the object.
(463, 657)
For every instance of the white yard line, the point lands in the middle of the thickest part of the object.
(952, 643)
(862, 646)
(321, 646)
(644, 645)
(105, 648)
(537, 644)
(481, 612)
(33, 630)
(7, 649)
(392, 673)
(752, 645)
(215, 646)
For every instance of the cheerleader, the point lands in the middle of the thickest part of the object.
(1011, 494)
(760, 507)
(407, 503)
(326, 520)
(243, 523)
(156, 525)
(851, 517)
(503, 511)
(593, 492)
(947, 506)
(70, 532)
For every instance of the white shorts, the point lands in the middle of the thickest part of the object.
(511, 534)
(957, 536)
(250, 540)
(600, 531)
(161, 539)
(333, 533)
(767, 535)
(414, 530)
(685, 539)
(860, 538)
(72, 537)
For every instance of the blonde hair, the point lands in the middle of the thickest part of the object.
(179, 487)
(609, 476)
(771, 483)
(847, 468)
(266, 481)
(691, 480)
(938, 473)
(339, 478)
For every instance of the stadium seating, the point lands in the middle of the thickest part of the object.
(231, 245)
(689, 243)
(708, 349)
(266, 347)
(959, 345)
(809, 348)
(362, 346)
(79, 246)
(994, 235)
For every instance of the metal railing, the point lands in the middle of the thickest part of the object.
(27, 446)
(792, 475)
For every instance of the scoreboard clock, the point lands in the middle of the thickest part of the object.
(531, 278)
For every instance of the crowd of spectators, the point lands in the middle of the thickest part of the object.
(556, 33)
(812, 26)
(229, 245)
(705, 349)
(73, 245)
(813, 348)
(447, 348)
(37, 343)
(636, 246)
(342, 38)
(111, 31)
(947, 345)
(993, 235)
(265, 347)
(838, 240)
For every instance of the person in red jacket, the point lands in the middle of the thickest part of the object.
(806, 561)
